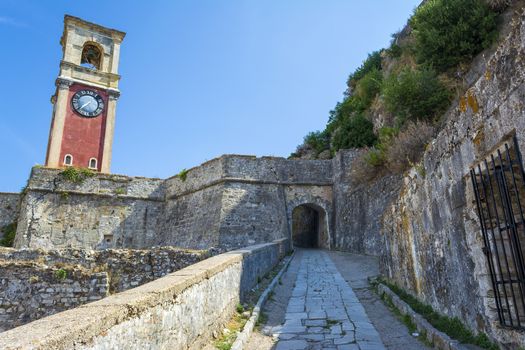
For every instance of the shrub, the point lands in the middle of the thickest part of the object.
(354, 132)
(408, 146)
(61, 274)
(376, 156)
(363, 171)
(448, 32)
(77, 175)
(368, 87)
(415, 94)
(373, 61)
(318, 140)
(9, 232)
(342, 112)
(183, 175)
(498, 4)
(394, 51)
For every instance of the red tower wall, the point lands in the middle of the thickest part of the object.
(83, 138)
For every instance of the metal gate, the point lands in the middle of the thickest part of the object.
(499, 187)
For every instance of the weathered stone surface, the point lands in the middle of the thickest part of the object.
(179, 311)
(8, 209)
(29, 291)
(432, 232)
(227, 203)
(360, 207)
(31, 286)
(103, 211)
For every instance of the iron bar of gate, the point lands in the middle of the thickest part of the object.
(503, 228)
(498, 178)
(515, 233)
(498, 259)
(510, 230)
(486, 242)
(505, 257)
(516, 192)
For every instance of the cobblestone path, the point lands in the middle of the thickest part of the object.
(323, 311)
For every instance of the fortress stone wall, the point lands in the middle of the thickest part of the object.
(228, 202)
(102, 211)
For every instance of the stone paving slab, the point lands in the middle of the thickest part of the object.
(324, 312)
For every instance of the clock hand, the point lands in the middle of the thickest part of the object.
(85, 104)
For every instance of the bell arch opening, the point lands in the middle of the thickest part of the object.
(91, 56)
(309, 227)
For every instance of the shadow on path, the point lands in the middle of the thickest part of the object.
(324, 302)
(355, 270)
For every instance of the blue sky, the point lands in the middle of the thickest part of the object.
(200, 78)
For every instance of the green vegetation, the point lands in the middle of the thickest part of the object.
(262, 319)
(239, 308)
(412, 81)
(451, 326)
(368, 87)
(183, 174)
(450, 32)
(372, 62)
(354, 132)
(61, 274)
(9, 232)
(64, 195)
(319, 141)
(76, 175)
(415, 95)
(406, 319)
(120, 191)
(330, 323)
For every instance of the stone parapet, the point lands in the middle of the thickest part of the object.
(251, 169)
(52, 180)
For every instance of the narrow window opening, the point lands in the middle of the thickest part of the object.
(68, 160)
(92, 163)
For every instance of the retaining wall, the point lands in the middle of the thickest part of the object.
(179, 311)
(359, 207)
(433, 240)
(35, 283)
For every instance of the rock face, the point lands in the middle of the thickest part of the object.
(432, 234)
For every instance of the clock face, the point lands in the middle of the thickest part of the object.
(87, 103)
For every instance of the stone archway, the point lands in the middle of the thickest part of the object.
(310, 227)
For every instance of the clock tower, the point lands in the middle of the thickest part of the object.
(84, 103)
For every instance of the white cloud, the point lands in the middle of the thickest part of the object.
(11, 22)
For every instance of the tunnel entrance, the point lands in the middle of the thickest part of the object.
(309, 227)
